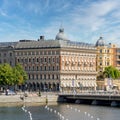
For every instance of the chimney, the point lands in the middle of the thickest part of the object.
(42, 38)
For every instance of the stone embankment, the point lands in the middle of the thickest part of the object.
(29, 99)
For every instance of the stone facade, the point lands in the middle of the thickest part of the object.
(56, 65)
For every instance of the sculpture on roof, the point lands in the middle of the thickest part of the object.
(100, 42)
(61, 35)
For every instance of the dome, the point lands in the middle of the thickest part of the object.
(61, 35)
(100, 42)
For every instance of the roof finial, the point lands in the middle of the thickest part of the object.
(101, 36)
(61, 27)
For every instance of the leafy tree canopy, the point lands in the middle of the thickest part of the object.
(112, 72)
(12, 75)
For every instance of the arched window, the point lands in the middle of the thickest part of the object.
(40, 76)
(48, 76)
(52, 76)
(45, 77)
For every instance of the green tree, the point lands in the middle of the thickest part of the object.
(20, 74)
(112, 72)
(6, 74)
(12, 76)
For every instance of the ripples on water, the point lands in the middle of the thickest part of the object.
(61, 112)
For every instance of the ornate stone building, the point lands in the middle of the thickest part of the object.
(117, 58)
(58, 64)
(105, 54)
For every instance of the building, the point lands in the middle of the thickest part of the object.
(117, 58)
(57, 65)
(7, 53)
(105, 54)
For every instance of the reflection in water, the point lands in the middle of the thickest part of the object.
(60, 112)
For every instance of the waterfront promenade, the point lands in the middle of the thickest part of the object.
(94, 97)
(31, 98)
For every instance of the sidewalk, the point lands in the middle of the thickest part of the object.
(31, 98)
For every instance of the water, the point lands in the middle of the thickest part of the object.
(60, 112)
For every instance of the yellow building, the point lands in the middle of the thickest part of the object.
(105, 55)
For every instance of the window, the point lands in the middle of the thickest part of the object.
(49, 52)
(37, 53)
(57, 77)
(10, 54)
(29, 53)
(37, 76)
(33, 60)
(37, 59)
(37, 68)
(40, 76)
(45, 67)
(45, 77)
(45, 60)
(100, 50)
(40, 67)
(33, 53)
(53, 59)
(48, 76)
(29, 59)
(53, 68)
(41, 60)
(33, 68)
(26, 59)
(25, 68)
(29, 76)
(49, 67)
(4, 54)
(18, 60)
(33, 77)
(52, 76)
(11, 63)
(49, 60)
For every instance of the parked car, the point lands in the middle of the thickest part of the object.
(10, 92)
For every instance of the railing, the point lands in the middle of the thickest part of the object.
(114, 93)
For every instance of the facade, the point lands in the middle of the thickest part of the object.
(105, 54)
(57, 65)
(7, 53)
(117, 58)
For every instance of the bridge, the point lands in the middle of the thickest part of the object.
(97, 98)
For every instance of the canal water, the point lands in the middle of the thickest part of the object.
(59, 112)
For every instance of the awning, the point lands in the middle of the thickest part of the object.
(67, 85)
(63, 85)
(77, 85)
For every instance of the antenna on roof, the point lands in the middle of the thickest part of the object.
(61, 28)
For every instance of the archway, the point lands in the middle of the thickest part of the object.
(41, 86)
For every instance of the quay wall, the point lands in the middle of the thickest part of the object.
(30, 99)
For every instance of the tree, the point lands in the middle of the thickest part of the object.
(20, 74)
(6, 74)
(12, 76)
(112, 72)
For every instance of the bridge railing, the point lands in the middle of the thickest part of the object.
(92, 93)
